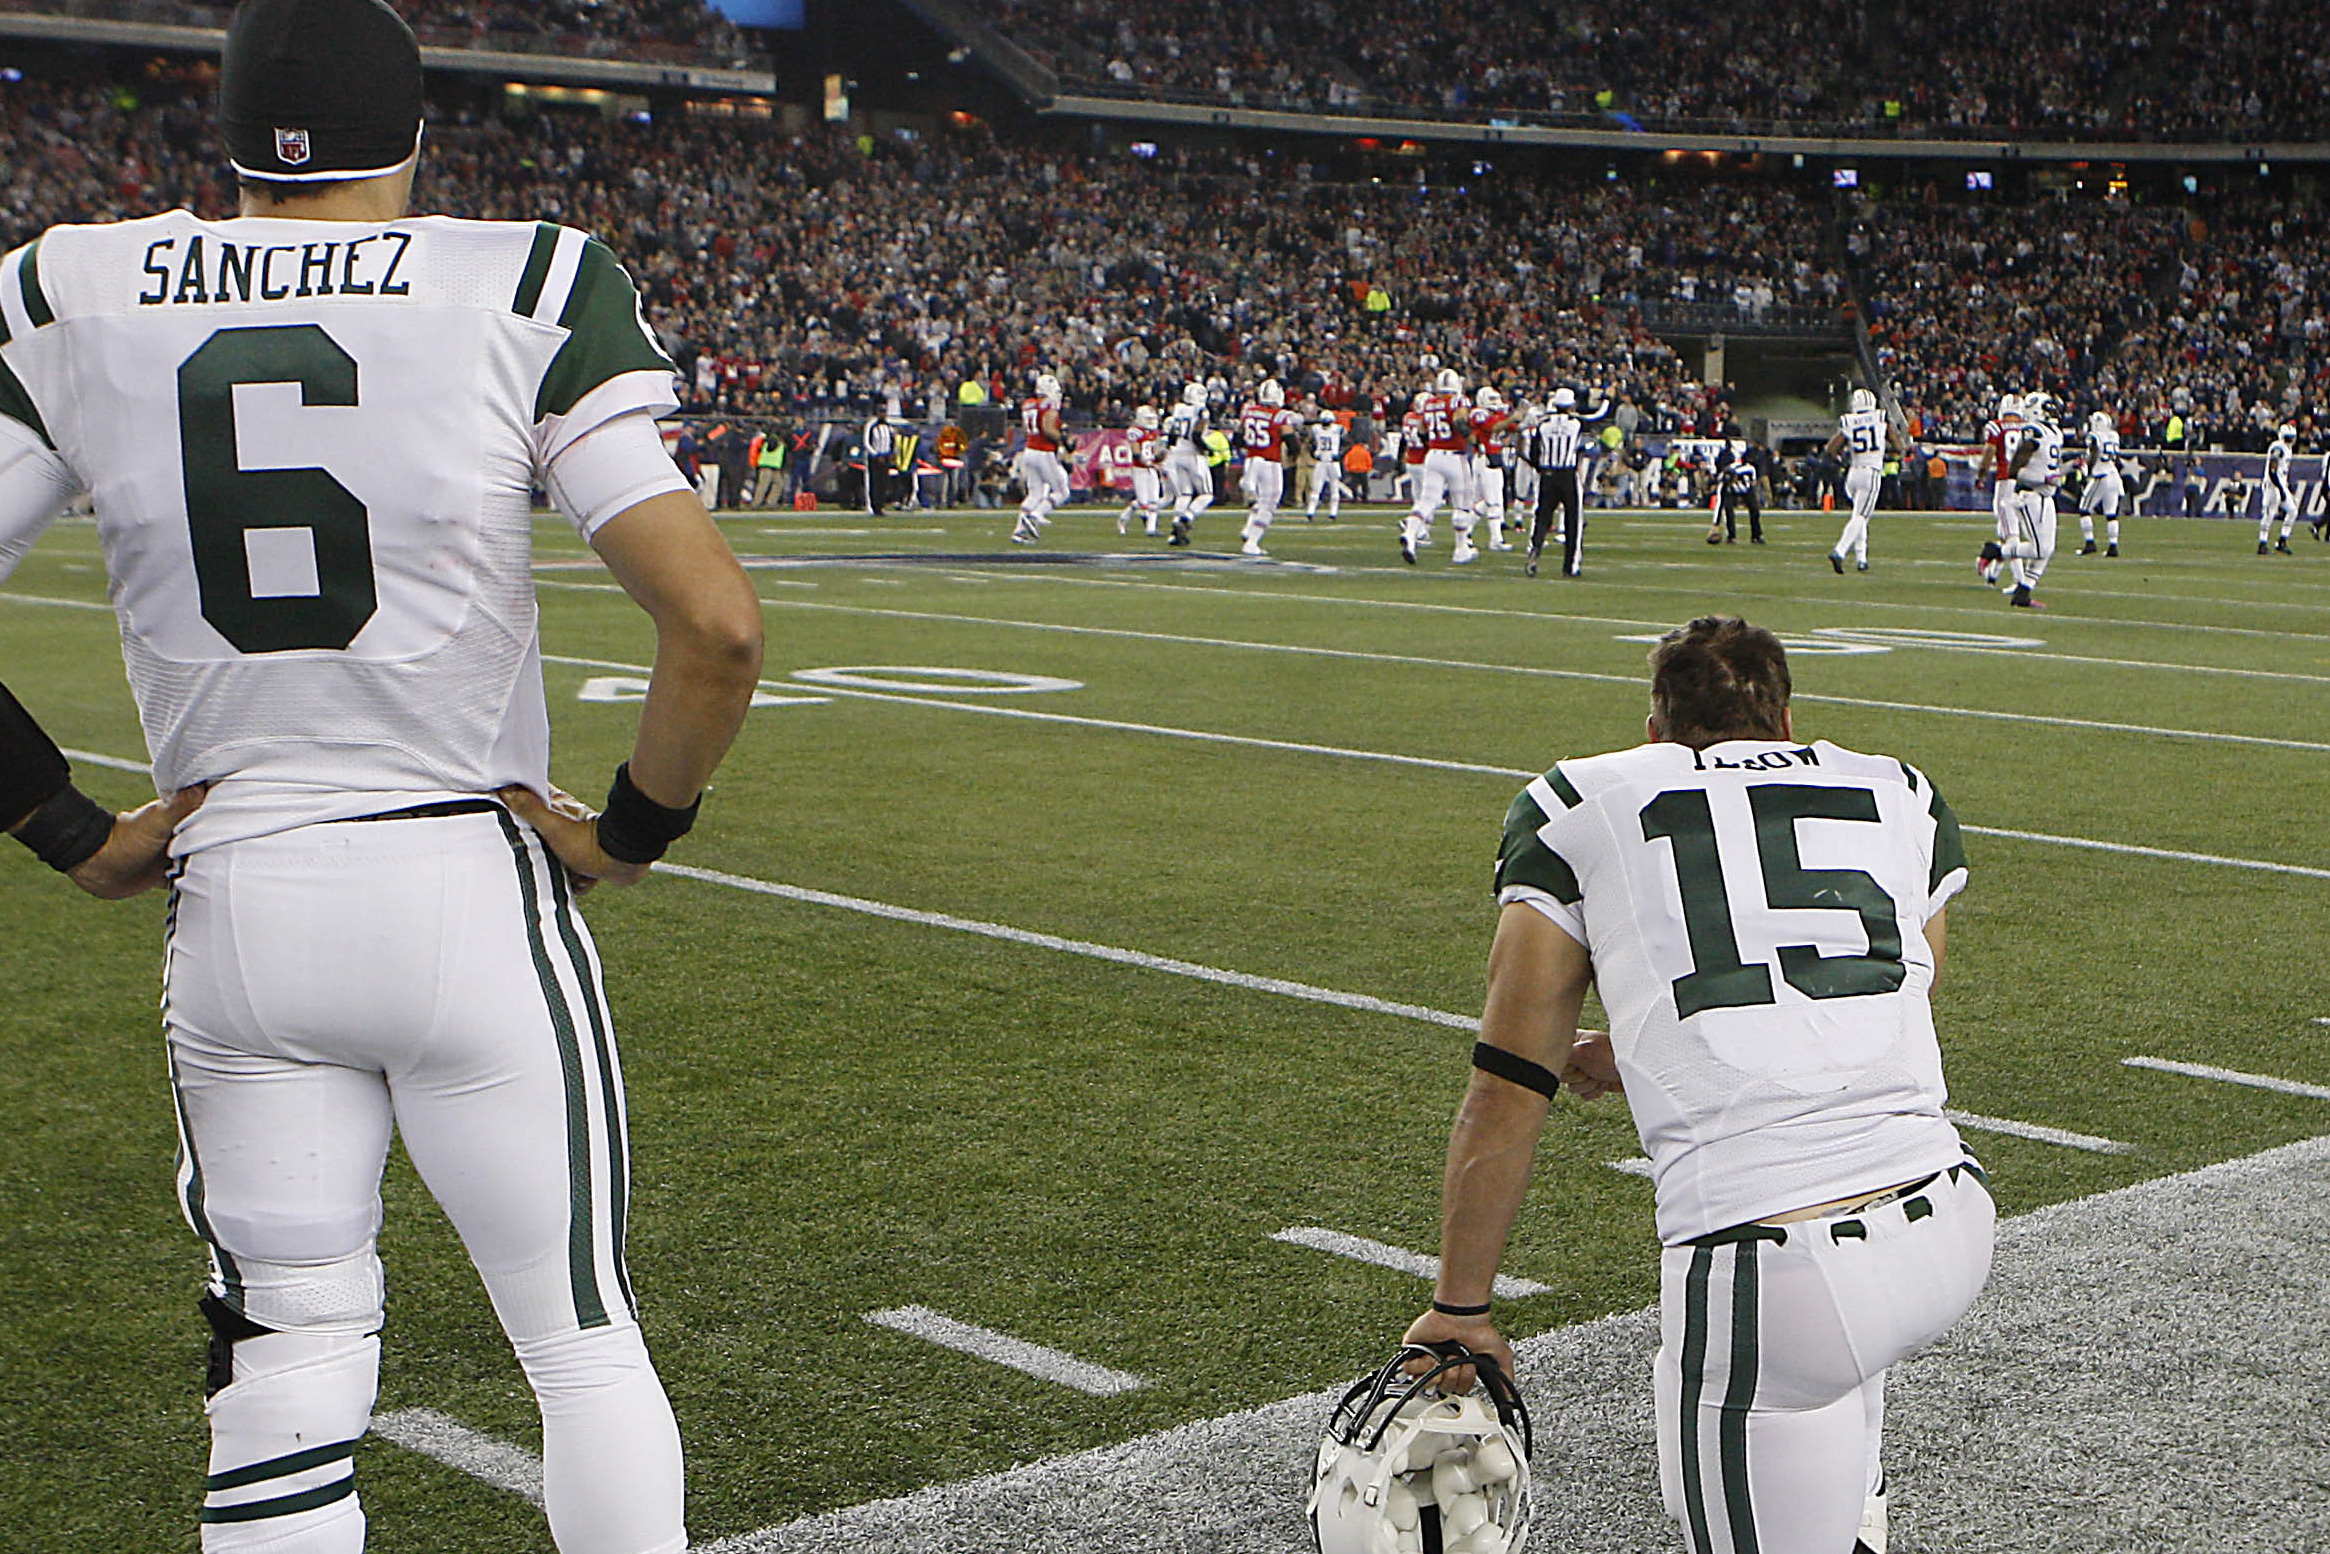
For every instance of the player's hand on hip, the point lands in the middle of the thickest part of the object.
(570, 829)
(136, 856)
(1591, 1069)
(1478, 1334)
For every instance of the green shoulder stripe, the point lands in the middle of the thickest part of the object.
(607, 335)
(36, 302)
(1949, 846)
(1524, 859)
(17, 405)
(537, 269)
(1562, 787)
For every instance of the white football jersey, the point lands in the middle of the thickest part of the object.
(1755, 912)
(2277, 464)
(2103, 454)
(1864, 434)
(1327, 440)
(312, 448)
(1185, 427)
(2043, 470)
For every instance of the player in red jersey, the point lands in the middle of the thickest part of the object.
(1447, 472)
(1147, 445)
(1041, 474)
(1492, 429)
(1264, 428)
(2000, 433)
(1411, 450)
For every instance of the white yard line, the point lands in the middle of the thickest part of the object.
(1535, 671)
(110, 762)
(56, 604)
(1638, 1166)
(454, 1444)
(2039, 1133)
(2232, 1076)
(1361, 1250)
(1107, 952)
(2170, 853)
(1045, 1364)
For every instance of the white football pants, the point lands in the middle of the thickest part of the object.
(1264, 482)
(1326, 481)
(2105, 494)
(320, 987)
(1774, 1342)
(2033, 544)
(1148, 497)
(1192, 480)
(1861, 487)
(1446, 476)
(1044, 479)
(2276, 501)
(1488, 490)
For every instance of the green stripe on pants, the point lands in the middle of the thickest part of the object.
(582, 1258)
(610, 1086)
(1695, 1382)
(1739, 1397)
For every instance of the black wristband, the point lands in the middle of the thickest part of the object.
(66, 832)
(1515, 1069)
(633, 828)
(1446, 1310)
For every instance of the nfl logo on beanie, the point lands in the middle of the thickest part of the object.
(316, 90)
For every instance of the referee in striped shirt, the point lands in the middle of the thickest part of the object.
(1553, 447)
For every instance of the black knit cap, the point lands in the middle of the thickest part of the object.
(314, 90)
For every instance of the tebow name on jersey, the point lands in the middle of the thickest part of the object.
(248, 272)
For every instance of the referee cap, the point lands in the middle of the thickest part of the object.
(317, 91)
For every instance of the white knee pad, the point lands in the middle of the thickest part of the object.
(612, 1480)
(283, 1436)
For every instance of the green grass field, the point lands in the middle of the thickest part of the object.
(836, 1113)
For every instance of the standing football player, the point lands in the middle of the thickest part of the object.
(2106, 488)
(2280, 498)
(1042, 476)
(1412, 451)
(1492, 427)
(1147, 446)
(1265, 427)
(1186, 469)
(312, 434)
(1735, 487)
(1555, 446)
(1863, 437)
(1447, 469)
(2036, 462)
(2000, 434)
(1820, 1218)
(1326, 466)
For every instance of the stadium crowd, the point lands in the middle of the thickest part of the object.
(2113, 69)
(786, 270)
(2210, 325)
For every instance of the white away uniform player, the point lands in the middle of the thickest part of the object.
(1326, 468)
(2107, 489)
(1861, 436)
(1186, 471)
(1266, 428)
(2280, 494)
(311, 435)
(1147, 445)
(1492, 437)
(1042, 476)
(1446, 474)
(1763, 919)
(2035, 459)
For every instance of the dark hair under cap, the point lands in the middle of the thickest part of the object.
(314, 90)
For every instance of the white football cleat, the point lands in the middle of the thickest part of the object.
(1463, 553)
(1252, 547)
(1872, 1540)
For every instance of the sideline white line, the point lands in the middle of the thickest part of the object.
(1361, 1250)
(984, 1343)
(2232, 1076)
(2170, 853)
(1107, 952)
(454, 1444)
(1534, 671)
(1554, 618)
(2039, 1133)
(111, 762)
(56, 604)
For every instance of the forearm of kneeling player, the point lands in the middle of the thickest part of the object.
(673, 561)
(1538, 976)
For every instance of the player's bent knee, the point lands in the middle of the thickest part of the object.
(286, 1411)
(344, 1295)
